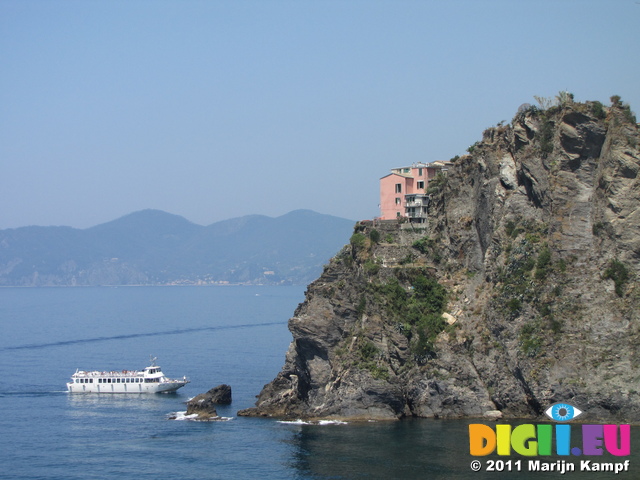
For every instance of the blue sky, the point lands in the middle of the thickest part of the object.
(218, 109)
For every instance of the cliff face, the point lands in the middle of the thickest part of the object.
(520, 291)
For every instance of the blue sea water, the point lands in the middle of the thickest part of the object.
(235, 335)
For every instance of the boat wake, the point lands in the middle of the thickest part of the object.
(32, 393)
(181, 331)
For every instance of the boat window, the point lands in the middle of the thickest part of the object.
(91, 380)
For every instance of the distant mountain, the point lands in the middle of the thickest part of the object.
(152, 247)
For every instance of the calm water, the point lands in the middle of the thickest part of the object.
(234, 335)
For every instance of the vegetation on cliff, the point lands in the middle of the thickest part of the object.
(520, 291)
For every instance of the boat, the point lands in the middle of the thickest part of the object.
(149, 380)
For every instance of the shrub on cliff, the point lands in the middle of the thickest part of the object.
(618, 273)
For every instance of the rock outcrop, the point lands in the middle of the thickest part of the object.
(519, 292)
(204, 405)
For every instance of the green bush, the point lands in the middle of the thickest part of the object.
(531, 338)
(429, 294)
(597, 228)
(512, 229)
(371, 267)
(418, 313)
(358, 240)
(368, 350)
(545, 137)
(543, 262)
(374, 235)
(514, 305)
(436, 184)
(368, 353)
(619, 274)
(428, 246)
(598, 110)
(424, 245)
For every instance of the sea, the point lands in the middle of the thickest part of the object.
(224, 334)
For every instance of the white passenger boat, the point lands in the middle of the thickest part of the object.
(149, 380)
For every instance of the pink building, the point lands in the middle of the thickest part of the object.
(403, 193)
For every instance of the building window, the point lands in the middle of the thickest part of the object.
(419, 172)
(421, 184)
(398, 201)
(398, 188)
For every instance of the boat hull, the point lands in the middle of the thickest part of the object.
(149, 380)
(168, 387)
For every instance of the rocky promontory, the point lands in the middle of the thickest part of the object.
(519, 292)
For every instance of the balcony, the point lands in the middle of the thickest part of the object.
(416, 200)
(416, 214)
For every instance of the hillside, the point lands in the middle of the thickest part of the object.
(152, 247)
(521, 291)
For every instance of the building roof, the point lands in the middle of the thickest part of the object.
(434, 164)
(397, 174)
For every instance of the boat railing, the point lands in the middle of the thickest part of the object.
(123, 373)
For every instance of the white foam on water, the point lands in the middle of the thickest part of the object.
(181, 416)
(319, 422)
(331, 422)
(294, 422)
(194, 417)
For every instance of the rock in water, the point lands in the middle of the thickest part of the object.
(220, 395)
(204, 405)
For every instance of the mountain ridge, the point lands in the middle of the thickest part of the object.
(155, 247)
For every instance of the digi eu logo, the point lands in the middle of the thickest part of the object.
(562, 412)
(532, 440)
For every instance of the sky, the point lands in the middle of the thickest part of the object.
(218, 109)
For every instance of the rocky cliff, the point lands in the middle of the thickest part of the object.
(519, 292)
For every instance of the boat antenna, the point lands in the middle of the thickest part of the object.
(153, 360)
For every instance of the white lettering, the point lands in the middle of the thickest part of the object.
(560, 466)
(589, 466)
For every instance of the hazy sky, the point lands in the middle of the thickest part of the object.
(217, 109)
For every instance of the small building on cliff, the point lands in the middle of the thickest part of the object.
(403, 193)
